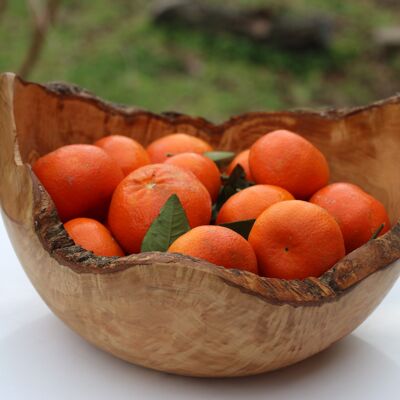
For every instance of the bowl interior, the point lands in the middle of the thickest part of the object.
(362, 146)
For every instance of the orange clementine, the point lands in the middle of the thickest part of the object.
(295, 239)
(128, 153)
(205, 170)
(217, 245)
(175, 144)
(243, 159)
(359, 214)
(93, 236)
(285, 159)
(249, 203)
(80, 179)
(138, 199)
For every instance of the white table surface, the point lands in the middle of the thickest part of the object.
(41, 358)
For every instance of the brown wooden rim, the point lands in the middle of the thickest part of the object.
(344, 275)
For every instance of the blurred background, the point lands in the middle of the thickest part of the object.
(209, 58)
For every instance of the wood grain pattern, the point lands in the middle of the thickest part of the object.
(175, 313)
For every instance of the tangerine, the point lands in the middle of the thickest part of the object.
(295, 239)
(359, 214)
(176, 143)
(80, 179)
(217, 245)
(286, 159)
(128, 153)
(93, 236)
(138, 200)
(249, 203)
(243, 159)
(205, 170)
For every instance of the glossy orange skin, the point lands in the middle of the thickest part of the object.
(249, 203)
(359, 214)
(80, 179)
(175, 144)
(93, 236)
(138, 200)
(205, 170)
(285, 159)
(243, 159)
(295, 239)
(128, 153)
(217, 245)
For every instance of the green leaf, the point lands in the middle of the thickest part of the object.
(171, 223)
(233, 184)
(221, 158)
(230, 185)
(377, 232)
(241, 227)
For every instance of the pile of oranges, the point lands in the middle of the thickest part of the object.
(109, 194)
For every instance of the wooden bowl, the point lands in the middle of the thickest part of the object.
(176, 313)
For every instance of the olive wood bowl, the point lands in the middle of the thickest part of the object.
(176, 313)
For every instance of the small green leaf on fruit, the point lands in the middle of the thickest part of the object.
(243, 228)
(233, 184)
(171, 223)
(220, 157)
(377, 232)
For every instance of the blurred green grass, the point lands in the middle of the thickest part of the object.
(112, 49)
